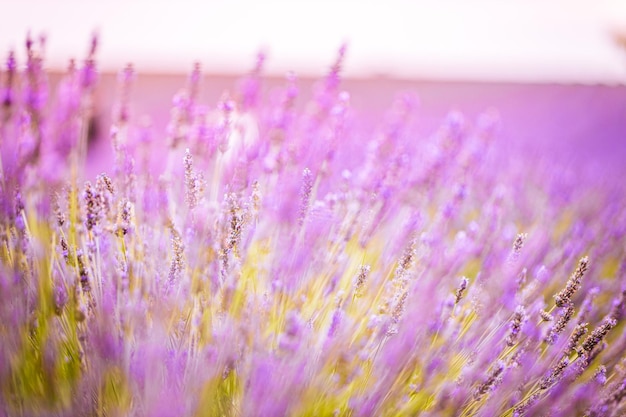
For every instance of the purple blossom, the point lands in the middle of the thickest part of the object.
(280, 256)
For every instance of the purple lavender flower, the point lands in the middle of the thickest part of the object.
(280, 256)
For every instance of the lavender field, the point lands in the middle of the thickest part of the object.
(287, 252)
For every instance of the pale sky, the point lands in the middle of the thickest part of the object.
(500, 40)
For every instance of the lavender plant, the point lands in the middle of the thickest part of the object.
(279, 263)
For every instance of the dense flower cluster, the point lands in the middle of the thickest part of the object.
(278, 263)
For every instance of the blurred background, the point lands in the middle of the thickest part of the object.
(555, 70)
(516, 40)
